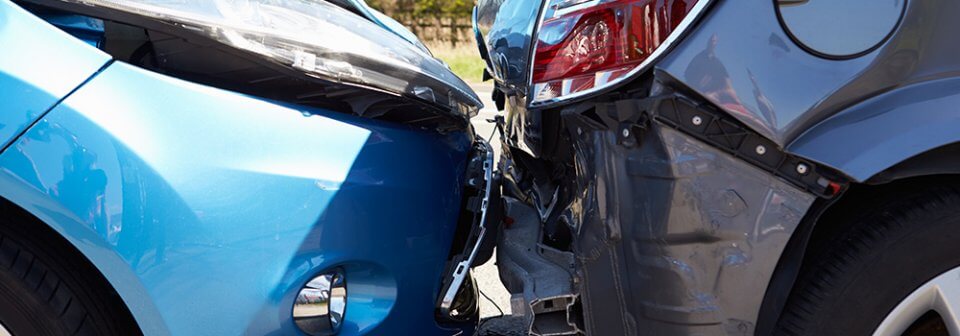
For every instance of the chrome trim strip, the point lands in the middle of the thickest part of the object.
(460, 272)
(695, 13)
(574, 8)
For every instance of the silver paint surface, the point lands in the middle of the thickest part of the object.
(675, 236)
(741, 59)
(841, 28)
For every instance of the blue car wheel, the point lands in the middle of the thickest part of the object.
(45, 289)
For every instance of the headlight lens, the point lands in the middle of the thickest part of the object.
(316, 38)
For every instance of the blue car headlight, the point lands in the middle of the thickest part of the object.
(314, 38)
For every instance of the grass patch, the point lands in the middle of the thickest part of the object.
(463, 59)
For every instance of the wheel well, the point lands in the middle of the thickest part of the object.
(942, 160)
(825, 220)
(87, 272)
(862, 198)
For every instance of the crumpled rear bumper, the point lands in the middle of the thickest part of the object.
(668, 236)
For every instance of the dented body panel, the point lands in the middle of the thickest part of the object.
(669, 235)
(207, 210)
(101, 172)
(664, 205)
(683, 230)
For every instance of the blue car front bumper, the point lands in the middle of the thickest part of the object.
(207, 210)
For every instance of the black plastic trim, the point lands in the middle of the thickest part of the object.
(725, 132)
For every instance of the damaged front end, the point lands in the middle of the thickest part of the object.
(340, 56)
(475, 237)
(647, 212)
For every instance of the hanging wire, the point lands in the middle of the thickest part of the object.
(491, 301)
(480, 326)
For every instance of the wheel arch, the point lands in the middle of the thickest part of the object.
(904, 140)
(870, 138)
(827, 217)
(111, 274)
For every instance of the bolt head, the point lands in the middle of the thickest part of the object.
(626, 132)
(803, 169)
(697, 121)
(761, 149)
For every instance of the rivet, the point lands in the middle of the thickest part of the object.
(697, 120)
(761, 149)
(802, 169)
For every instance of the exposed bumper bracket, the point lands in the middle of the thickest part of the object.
(541, 277)
(485, 209)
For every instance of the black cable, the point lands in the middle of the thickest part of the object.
(484, 321)
(497, 122)
(491, 301)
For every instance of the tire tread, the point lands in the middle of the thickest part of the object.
(830, 267)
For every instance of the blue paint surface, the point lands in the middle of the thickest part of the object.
(207, 209)
(47, 64)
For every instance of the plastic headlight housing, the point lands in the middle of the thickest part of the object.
(315, 38)
(584, 46)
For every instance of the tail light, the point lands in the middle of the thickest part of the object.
(586, 45)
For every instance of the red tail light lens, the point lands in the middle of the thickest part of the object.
(585, 45)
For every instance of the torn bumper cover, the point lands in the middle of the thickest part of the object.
(654, 231)
(482, 212)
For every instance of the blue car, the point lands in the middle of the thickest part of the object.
(234, 167)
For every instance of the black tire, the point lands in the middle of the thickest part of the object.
(47, 289)
(855, 280)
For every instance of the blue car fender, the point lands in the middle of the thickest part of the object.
(207, 210)
(38, 68)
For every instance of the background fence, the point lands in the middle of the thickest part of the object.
(445, 26)
(434, 21)
(436, 30)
